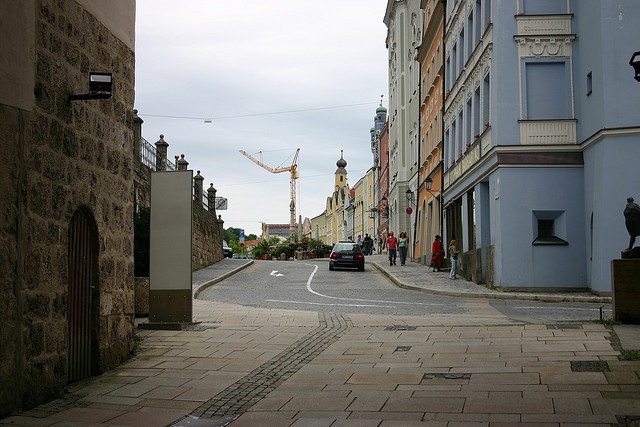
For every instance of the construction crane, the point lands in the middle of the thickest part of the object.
(293, 169)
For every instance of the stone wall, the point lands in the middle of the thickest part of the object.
(64, 156)
(207, 238)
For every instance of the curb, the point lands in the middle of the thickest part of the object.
(219, 279)
(496, 295)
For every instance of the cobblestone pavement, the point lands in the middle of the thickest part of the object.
(244, 366)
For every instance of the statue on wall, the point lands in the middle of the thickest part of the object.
(632, 221)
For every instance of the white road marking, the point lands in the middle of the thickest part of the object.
(334, 305)
(275, 273)
(358, 299)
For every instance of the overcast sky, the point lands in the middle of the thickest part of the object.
(235, 62)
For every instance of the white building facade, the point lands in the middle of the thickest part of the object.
(403, 19)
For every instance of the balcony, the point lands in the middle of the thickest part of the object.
(547, 132)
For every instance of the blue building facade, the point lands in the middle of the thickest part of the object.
(542, 138)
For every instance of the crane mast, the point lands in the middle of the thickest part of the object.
(293, 169)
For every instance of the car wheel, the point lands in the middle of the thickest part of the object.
(330, 267)
(361, 268)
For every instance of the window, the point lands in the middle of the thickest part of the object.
(544, 7)
(549, 228)
(454, 139)
(547, 89)
(478, 23)
(486, 96)
(476, 112)
(463, 57)
(448, 73)
(447, 147)
(487, 13)
(460, 142)
(467, 114)
(470, 29)
(454, 64)
(589, 83)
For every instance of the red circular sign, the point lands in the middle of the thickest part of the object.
(409, 211)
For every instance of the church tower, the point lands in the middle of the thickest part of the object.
(341, 173)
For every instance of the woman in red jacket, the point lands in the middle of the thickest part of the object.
(437, 254)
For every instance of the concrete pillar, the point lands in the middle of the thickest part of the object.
(198, 188)
(182, 164)
(161, 154)
(137, 135)
(211, 199)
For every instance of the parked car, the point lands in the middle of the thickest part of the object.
(226, 249)
(346, 254)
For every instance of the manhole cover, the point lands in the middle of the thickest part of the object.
(447, 376)
(589, 366)
(400, 328)
(565, 326)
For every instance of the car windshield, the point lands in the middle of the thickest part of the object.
(344, 247)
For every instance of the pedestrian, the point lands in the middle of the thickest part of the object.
(437, 254)
(403, 244)
(359, 241)
(453, 255)
(368, 244)
(392, 246)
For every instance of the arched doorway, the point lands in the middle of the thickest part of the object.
(83, 298)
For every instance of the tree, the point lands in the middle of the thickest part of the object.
(232, 235)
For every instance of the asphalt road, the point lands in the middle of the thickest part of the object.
(310, 286)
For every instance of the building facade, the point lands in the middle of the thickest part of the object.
(363, 220)
(404, 35)
(66, 239)
(319, 227)
(540, 139)
(428, 221)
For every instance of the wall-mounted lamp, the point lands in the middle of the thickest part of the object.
(428, 183)
(99, 87)
(635, 63)
(409, 195)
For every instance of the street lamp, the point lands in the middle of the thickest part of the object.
(409, 195)
(428, 183)
(635, 63)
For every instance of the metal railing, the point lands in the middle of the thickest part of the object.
(149, 156)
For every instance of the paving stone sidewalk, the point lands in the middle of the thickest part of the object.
(245, 366)
(419, 277)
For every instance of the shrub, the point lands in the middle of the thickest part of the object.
(141, 232)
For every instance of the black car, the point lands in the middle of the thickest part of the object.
(346, 255)
(226, 249)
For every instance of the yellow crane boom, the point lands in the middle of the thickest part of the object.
(293, 169)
